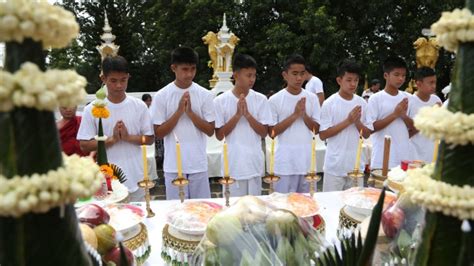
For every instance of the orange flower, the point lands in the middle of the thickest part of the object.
(107, 170)
(100, 112)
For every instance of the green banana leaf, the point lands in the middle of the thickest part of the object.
(30, 144)
(442, 234)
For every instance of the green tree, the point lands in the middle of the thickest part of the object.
(323, 31)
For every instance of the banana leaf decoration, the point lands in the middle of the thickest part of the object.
(29, 144)
(441, 235)
(118, 173)
(353, 252)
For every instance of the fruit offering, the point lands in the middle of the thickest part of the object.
(191, 217)
(93, 215)
(253, 232)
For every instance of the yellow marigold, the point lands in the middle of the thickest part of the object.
(100, 112)
(106, 169)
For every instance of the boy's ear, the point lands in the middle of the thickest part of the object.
(173, 67)
(385, 75)
(102, 77)
(284, 74)
(418, 83)
(338, 80)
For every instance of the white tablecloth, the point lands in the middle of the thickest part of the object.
(329, 204)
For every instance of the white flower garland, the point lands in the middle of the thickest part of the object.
(438, 196)
(437, 122)
(32, 88)
(78, 178)
(453, 28)
(52, 25)
(102, 138)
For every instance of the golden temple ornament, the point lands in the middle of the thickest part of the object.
(221, 46)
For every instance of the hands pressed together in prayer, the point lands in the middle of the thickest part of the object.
(120, 131)
(242, 109)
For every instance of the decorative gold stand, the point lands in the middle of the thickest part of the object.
(177, 248)
(139, 245)
(312, 178)
(226, 181)
(270, 179)
(147, 185)
(346, 221)
(180, 182)
(355, 175)
(377, 179)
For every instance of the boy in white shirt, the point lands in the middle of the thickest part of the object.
(387, 115)
(342, 119)
(183, 110)
(314, 85)
(127, 126)
(295, 115)
(422, 148)
(242, 118)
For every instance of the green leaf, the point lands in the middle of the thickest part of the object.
(404, 242)
(101, 151)
(37, 142)
(372, 233)
(7, 148)
(123, 256)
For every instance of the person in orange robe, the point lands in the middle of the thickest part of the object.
(68, 126)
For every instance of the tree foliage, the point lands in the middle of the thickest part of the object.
(323, 31)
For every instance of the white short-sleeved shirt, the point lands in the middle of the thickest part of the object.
(380, 105)
(367, 93)
(314, 85)
(341, 149)
(421, 147)
(293, 146)
(134, 114)
(246, 159)
(192, 141)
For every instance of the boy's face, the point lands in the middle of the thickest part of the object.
(375, 87)
(396, 77)
(184, 73)
(348, 83)
(427, 85)
(245, 78)
(295, 75)
(116, 82)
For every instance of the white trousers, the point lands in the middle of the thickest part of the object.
(338, 183)
(137, 195)
(252, 186)
(292, 183)
(198, 187)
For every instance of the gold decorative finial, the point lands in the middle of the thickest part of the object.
(108, 46)
(427, 52)
(221, 47)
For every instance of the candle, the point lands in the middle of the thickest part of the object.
(313, 153)
(435, 151)
(226, 160)
(386, 155)
(272, 153)
(359, 150)
(145, 161)
(178, 158)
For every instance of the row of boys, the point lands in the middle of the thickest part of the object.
(187, 112)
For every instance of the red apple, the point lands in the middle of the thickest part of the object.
(92, 215)
(392, 220)
(114, 256)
